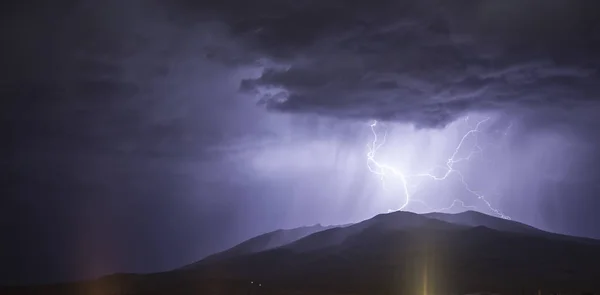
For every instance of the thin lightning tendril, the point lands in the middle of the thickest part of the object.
(384, 171)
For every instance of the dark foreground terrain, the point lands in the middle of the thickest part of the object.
(396, 253)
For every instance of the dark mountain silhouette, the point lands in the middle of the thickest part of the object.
(474, 218)
(463, 252)
(264, 242)
(377, 225)
(395, 253)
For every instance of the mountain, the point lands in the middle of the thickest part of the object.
(474, 218)
(394, 253)
(375, 226)
(397, 252)
(264, 242)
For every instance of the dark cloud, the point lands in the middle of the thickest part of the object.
(120, 78)
(426, 62)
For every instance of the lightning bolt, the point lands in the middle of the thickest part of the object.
(384, 171)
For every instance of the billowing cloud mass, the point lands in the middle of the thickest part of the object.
(424, 62)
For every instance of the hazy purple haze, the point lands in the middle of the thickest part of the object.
(144, 135)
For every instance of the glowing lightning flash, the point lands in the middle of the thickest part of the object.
(386, 171)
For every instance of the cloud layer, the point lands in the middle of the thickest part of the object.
(425, 62)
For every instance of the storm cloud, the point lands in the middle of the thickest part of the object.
(423, 62)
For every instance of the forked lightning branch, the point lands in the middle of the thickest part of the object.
(387, 172)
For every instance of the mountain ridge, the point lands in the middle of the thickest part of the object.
(391, 253)
(365, 256)
(262, 242)
(309, 238)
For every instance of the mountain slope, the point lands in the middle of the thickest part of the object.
(264, 242)
(377, 225)
(474, 218)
